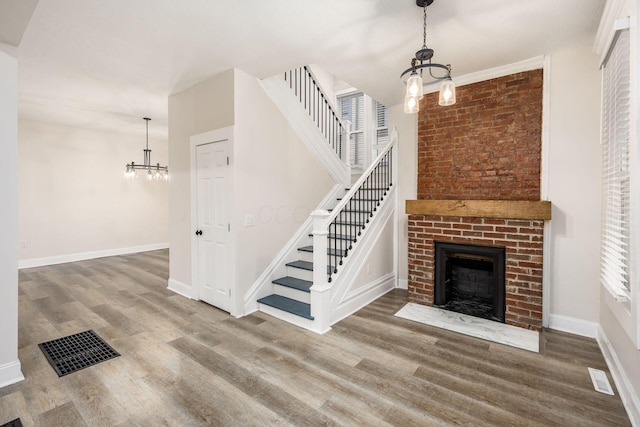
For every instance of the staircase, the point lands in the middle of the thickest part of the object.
(309, 287)
(292, 293)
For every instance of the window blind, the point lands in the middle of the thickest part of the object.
(616, 98)
(381, 115)
(352, 109)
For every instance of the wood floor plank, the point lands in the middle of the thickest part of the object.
(118, 319)
(91, 398)
(13, 406)
(227, 406)
(286, 405)
(63, 415)
(186, 363)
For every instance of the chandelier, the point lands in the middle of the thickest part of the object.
(421, 66)
(153, 172)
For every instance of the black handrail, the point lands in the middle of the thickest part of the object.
(354, 216)
(305, 88)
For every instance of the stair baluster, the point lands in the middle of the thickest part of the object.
(311, 97)
(340, 227)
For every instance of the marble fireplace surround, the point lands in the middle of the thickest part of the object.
(516, 225)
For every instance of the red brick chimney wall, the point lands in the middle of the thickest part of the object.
(485, 147)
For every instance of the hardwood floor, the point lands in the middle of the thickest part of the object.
(184, 363)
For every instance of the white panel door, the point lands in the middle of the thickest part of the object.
(213, 228)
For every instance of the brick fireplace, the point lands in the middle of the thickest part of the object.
(479, 184)
(522, 240)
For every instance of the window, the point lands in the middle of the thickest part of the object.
(369, 127)
(352, 110)
(616, 191)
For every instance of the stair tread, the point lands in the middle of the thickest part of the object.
(333, 251)
(287, 304)
(305, 265)
(294, 283)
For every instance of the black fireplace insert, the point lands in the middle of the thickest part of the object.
(470, 279)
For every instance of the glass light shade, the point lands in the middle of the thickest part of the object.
(447, 93)
(411, 104)
(130, 173)
(149, 175)
(414, 86)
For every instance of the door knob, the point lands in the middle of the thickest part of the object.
(199, 233)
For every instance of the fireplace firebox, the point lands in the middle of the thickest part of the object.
(470, 279)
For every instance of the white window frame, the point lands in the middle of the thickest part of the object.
(370, 129)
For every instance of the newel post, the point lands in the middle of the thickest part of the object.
(347, 150)
(320, 291)
(394, 156)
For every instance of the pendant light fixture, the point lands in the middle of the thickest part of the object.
(422, 62)
(153, 173)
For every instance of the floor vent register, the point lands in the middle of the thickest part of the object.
(75, 352)
(600, 381)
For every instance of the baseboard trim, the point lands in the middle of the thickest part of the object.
(180, 288)
(628, 395)
(403, 283)
(61, 259)
(10, 373)
(572, 325)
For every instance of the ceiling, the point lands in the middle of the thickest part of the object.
(106, 64)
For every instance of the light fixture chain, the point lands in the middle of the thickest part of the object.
(424, 27)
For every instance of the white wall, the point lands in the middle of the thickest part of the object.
(407, 127)
(10, 371)
(74, 200)
(574, 188)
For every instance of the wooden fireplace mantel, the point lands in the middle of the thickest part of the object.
(506, 209)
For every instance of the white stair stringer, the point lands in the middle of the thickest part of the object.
(345, 298)
(306, 129)
(332, 302)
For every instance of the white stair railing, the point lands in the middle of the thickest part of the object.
(304, 86)
(335, 233)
